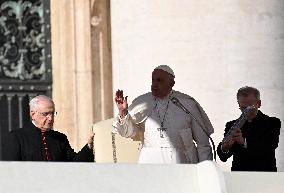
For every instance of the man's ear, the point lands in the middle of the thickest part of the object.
(173, 83)
(258, 103)
(32, 114)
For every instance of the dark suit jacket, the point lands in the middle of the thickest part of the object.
(262, 137)
(26, 144)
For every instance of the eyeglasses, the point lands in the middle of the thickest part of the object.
(48, 114)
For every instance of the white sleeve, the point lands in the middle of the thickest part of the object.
(125, 127)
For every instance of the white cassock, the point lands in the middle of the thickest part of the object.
(182, 139)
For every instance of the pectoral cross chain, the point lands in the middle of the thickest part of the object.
(161, 129)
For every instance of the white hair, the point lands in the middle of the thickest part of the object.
(34, 101)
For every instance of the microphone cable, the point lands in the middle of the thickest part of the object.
(181, 106)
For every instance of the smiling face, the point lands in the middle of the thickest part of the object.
(43, 114)
(162, 83)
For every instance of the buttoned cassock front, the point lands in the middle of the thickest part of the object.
(183, 141)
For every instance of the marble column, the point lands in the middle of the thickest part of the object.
(73, 71)
(101, 59)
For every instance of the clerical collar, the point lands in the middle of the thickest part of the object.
(34, 124)
(39, 128)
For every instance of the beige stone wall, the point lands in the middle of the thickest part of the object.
(214, 47)
(80, 90)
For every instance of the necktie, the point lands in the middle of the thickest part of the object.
(45, 146)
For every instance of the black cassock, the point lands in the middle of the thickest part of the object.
(27, 144)
(262, 137)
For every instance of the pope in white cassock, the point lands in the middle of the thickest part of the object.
(167, 132)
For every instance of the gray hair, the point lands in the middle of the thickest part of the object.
(247, 90)
(34, 101)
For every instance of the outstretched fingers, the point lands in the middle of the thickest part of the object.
(119, 96)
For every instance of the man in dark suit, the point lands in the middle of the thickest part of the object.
(37, 141)
(253, 145)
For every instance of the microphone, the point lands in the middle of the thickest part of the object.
(180, 105)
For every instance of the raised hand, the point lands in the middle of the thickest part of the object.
(121, 103)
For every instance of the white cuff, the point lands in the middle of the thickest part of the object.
(245, 144)
(121, 121)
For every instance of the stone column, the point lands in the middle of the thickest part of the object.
(72, 69)
(81, 62)
(101, 59)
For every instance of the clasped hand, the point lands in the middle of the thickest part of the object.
(236, 138)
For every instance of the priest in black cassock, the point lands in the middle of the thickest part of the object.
(37, 141)
(252, 145)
